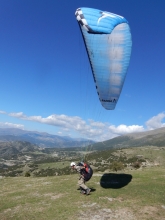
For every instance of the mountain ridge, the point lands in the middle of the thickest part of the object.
(153, 137)
(42, 139)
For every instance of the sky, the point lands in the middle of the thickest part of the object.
(46, 83)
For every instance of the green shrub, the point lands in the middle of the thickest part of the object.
(115, 166)
(27, 174)
(136, 165)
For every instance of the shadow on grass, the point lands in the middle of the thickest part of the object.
(92, 189)
(115, 180)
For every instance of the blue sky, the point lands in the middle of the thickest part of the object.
(46, 82)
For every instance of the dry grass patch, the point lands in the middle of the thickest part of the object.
(107, 214)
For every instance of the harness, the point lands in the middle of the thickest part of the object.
(87, 171)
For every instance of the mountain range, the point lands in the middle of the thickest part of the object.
(21, 140)
(42, 139)
(148, 138)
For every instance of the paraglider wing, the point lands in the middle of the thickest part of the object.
(108, 42)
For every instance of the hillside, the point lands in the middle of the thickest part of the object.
(41, 139)
(130, 193)
(152, 138)
(149, 138)
(9, 149)
(57, 197)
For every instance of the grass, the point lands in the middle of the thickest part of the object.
(153, 154)
(54, 165)
(51, 198)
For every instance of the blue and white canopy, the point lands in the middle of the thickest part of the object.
(108, 42)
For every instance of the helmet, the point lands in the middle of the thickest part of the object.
(72, 164)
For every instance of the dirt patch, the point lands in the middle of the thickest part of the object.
(150, 212)
(7, 210)
(163, 206)
(89, 205)
(97, 174)
(46, 183)
(119, 199)
(18, 197)
(95, 213)
(53, 196)
(50, 195)
(28, 185)
(24, 208)
(56, 196)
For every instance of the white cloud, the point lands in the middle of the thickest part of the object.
(11, 125)
(2, 112)
(123, 129)
(59, 133)
(156, 122)
(96, 124)
(17, 115)
(91, 129)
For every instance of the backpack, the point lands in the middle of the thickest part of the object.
(87, 172)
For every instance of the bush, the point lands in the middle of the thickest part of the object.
(27, 174)
(136, 165)
(115, 166)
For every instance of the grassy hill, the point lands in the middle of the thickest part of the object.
(57, 198)
(129, 194)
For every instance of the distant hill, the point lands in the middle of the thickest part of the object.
(8, 149)
(41, 139)
(154, 137)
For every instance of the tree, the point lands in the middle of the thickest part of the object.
(115, 166)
